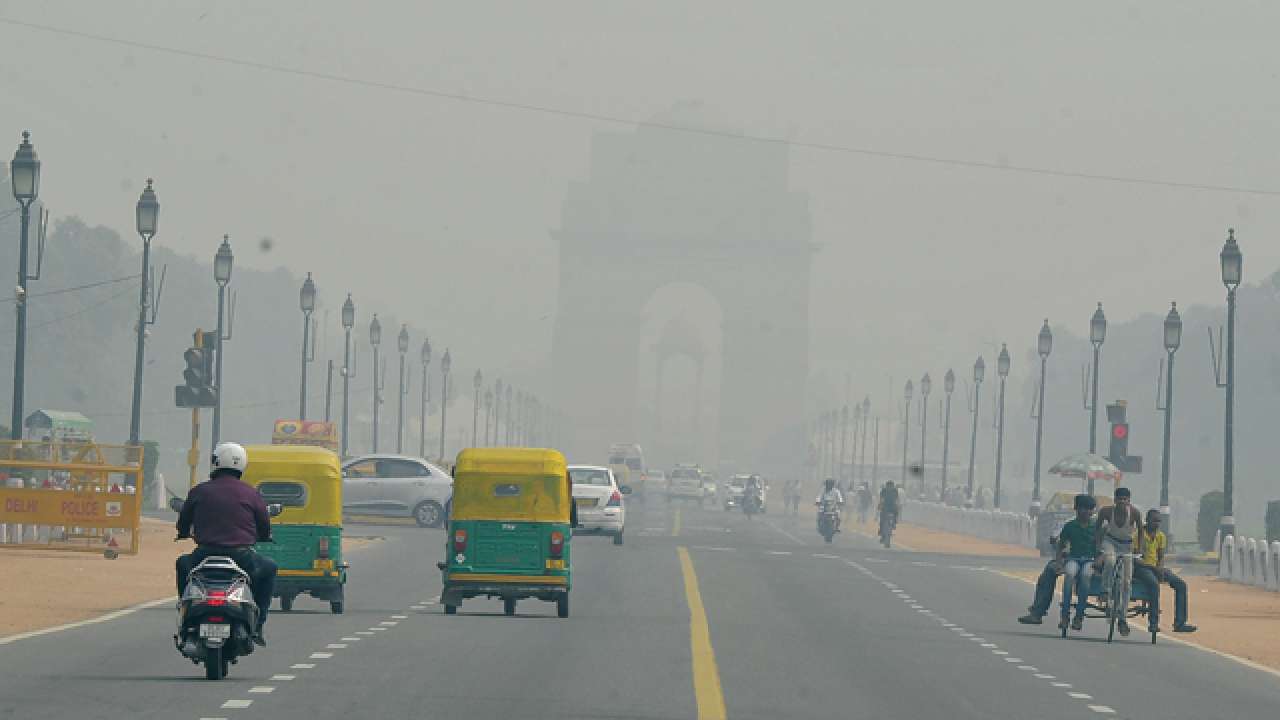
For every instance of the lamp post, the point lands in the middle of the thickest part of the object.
(844, 441)
(307, 301)
(477, 381)
(1172, 340)
(1044, 346)
(1002, 369)
(862, 460)
(348, 322)
(402, 344)
(979, 371)
(222, 263)
(488, 414)
(906, 429)
(426, 395)
(925, 386)
(948, 386)
(1232, 264)
(147, 214)
(375, 339)
(25, 182)
(497, 412)
(510, 417)
(445, 363)
(1097, 335)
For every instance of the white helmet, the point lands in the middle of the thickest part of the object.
(229, 456)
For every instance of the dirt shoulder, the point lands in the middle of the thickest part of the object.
(54, 588)
(922, 539)
(1236, 619)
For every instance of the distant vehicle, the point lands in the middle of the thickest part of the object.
(657, 480)
(396, 486)
(734, 488)
(709, 486)
(598, 496)
(685, 483)
(626, 460)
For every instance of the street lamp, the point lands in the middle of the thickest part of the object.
(1172, 340)
(375, 339)
(24, 175)
(477, 381)
(348, 322)
(497, 412)
(445, 363)
(402, 344)
(1044, 346)
(844, 441)
(307, 301)
(488, 414)
(222, 262)
(948, 386)
(426, 395)
(862, 460)
(1002, 369)
(506, 402)
(1232, 267)
(925, 386)
(979, 371)
(1097, 335)
(906, 430)
(147, 215)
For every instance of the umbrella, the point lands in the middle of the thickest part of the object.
(1086, 466)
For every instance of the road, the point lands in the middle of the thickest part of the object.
(701, 614)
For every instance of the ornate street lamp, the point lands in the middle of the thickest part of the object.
(1002, 369)
(222, 263)
(147, 216)
(979, 372)
(348, 322)
(1044, 346)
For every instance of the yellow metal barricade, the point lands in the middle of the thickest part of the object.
(70, 496)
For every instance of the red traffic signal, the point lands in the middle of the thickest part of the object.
(1120, 431)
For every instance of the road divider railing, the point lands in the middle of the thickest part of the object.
(70, 496)
(1249, 561)
(994, 525)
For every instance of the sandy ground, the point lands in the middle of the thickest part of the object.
(924, 539)
(1236, 619)
(54, 588)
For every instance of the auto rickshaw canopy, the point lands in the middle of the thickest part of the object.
(306, 480)
(519, 484)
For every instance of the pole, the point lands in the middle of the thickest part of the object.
(875, 453)
(444, 409)
(400, 412)
(999, 446)
(377, 397)
(1035, 490)
(924, 433)
(973, 440)
(844, 437)
(193, 455)
(946, 449)
(422, 423)
(328, 392)
(1164, 457)
(217, 368)
(135, 415)
(302, 392)
(862, 460)
(1093, 409)
(1228, 442)
(346, 390)
(475, 419)
(20, 342)
(488, 416)
(906, 438)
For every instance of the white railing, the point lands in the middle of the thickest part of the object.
(995, 525)
(1249, 561)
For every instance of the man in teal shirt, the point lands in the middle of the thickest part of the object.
(1077, 545)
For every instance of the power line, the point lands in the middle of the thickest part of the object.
(86, 286)
(618, 120)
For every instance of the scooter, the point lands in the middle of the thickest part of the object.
(887, 523)
(751, 502)
(827, 515)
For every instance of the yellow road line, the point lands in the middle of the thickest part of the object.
(675, 524)
(706, 676)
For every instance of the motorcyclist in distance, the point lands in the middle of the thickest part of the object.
(831, 494)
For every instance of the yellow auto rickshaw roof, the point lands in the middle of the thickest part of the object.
(315, 467)
(525, 484)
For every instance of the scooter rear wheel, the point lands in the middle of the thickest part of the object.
(215, 668)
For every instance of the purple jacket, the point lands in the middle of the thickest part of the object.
(226, 512)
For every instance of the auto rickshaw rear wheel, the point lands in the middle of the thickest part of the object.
(337, 602)
(509, 606)
(286, 603)
(450, 609)
(562, 606)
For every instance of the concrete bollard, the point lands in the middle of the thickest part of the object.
(1274, 553)
(1226, 557)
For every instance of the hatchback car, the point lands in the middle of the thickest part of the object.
(396, 486)
(599, 499)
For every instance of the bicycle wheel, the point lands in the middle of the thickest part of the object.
(1114, 611)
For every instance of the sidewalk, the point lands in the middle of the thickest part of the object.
(924, 539)
(55, 588)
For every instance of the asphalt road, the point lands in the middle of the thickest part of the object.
(701, 614)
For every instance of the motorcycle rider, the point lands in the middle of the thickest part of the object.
(229, 516)
(751, 492)
(888, 507)
(831, 494)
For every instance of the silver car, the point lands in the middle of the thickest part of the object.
(396, 486)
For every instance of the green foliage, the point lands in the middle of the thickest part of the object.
(1209, 518)
(1273, 521)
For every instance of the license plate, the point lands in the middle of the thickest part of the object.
(586, 502)
(215, 631)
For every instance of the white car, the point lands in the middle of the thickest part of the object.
(599, 499)
(396, 486)
(685, 483)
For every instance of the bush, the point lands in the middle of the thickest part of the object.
(1273, 521)
(1209, 518)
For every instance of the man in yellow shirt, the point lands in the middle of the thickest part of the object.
(1150, 570)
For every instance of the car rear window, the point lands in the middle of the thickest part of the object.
(582, 476)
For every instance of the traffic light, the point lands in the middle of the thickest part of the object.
(1119, 454)
(198, 390)
(1119, 442)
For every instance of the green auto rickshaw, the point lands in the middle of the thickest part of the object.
(307, 482)
(509, 530)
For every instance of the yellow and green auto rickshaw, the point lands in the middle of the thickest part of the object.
(509, 529)
(307, 482)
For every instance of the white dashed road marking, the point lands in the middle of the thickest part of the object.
(389, 623)
(350, 639)
(262, 689)
(283, 677)
(236, 704)
(336, 646)
(399, 617)
(321, 656)
(1080, 695)
(1103, 709)
(302, 666)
